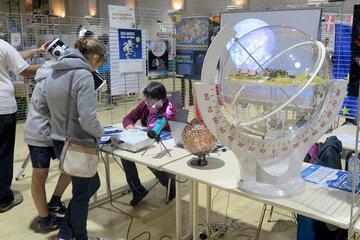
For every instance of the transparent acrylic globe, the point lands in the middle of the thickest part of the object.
(272, 81)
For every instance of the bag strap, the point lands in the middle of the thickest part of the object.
(68, 101)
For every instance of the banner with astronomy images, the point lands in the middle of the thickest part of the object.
(130, 50)
(158, 58)
(192, 31)
(127, 68)
(189, 63)
(192, 42)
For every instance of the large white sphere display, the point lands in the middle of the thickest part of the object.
(274, 98)
(273, 89)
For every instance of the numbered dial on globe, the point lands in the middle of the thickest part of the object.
(235, 137)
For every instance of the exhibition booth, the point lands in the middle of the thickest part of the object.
(255, 90)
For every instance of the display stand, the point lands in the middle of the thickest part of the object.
(158, 141)
(200, 161)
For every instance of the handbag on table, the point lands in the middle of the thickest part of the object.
(78, 158)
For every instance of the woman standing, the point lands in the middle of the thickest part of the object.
(83, 125)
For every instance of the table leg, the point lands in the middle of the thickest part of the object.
(261, 220)
(208, 211)
(271, 213)
(191, 204)
(107, 167)
(178, 208)
(195, 207)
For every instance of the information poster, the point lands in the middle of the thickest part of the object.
(193, 31)
(190, 62)
(130, 50)
(192, 42)
(127, 66)
(158, 58)
(121, 16)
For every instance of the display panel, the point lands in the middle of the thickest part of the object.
(306, 20)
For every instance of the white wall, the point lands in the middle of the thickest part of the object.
(79, 8)
(215, 6)
(158, 4)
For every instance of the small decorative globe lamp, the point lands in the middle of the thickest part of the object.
(198, 140)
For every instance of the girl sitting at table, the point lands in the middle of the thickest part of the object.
(155, 105)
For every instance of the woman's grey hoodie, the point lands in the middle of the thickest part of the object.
(83, 124)
(37, 128)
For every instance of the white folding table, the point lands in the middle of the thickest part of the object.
(318, 202)
(155, 157)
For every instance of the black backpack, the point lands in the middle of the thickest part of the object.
(329, 153)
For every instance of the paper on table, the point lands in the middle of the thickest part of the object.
(325, 176)
(346, 138)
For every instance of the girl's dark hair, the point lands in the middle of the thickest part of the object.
(155, 90)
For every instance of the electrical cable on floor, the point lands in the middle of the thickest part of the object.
(217, 230)
(165, 236)
(131, 217)
(112, 204)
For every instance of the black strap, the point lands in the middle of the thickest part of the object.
(68, 101)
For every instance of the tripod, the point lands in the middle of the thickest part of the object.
(158, 141)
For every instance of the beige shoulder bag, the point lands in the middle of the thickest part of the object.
(78, 158)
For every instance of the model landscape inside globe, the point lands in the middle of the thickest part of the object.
(273, 81)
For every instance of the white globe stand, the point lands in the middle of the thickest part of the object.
(268, 167)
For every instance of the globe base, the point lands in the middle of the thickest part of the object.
(200, 161)
(293, 187)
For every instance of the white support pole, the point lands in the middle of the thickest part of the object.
(208, 210)
(195, 208)
(178, 208)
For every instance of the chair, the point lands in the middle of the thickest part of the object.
(181, 113)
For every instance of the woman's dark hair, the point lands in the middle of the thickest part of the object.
(155, 90)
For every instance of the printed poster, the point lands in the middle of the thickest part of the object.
(192, 42)
(193, 31)
(158, 58)
(120, 16)
(189, 63)
(130, 50)
(127, 76)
